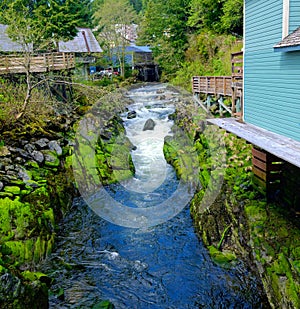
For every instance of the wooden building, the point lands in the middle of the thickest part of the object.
(270, 118)
(139, 58)
(81, 49)
(85, 46)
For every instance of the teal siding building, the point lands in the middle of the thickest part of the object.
(272, 71)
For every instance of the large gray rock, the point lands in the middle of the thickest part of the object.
(29, 148)
(42, 143)
(23, 174)
(131, 115)
(53, 145)
(37, 156)
(149, 125)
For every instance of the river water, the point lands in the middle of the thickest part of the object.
(161, 266)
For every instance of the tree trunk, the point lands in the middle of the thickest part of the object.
(28, 91)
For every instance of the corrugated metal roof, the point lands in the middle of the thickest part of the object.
(138, 49)
(84, 42)
(7, 45)
(291, 42)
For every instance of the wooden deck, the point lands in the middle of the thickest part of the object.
(13, 64)
(222, 86)
(280, 146)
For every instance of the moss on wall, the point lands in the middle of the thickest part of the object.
(237, 221)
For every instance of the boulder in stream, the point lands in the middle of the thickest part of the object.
(131, 115)
(149, 125)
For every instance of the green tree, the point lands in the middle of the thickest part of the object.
(232, 19)
(137, 4)
(206, 14)
(222, 16)
(114, 19)
(164, 27)
(33, 24)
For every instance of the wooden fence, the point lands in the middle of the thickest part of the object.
(13, 64)
(212, 85)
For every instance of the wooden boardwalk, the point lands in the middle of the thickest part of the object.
(222, 86)
(13, 64)
(280, 146)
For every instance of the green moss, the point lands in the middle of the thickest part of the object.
(39, 197)
(32, 276)
(17, 251)
(51, 158)
(32, 164)
(223, 259)
(5, 194)
(105, 304)
(12, 189)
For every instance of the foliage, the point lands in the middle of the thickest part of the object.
(38, 25)
(232, 20)
(208, 54)
(11, 101)
(38, 22)
(223, 16)
(179, 30)
(164, 27)
(114, 19)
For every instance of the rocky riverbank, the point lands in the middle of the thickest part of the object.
(232, 218)
(36, 188)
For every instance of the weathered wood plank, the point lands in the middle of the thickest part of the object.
(280, 146)
(258, 172)
(259, 154)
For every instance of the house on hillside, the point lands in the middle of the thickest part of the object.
(139, 58)
(271, 95)
(84, 45)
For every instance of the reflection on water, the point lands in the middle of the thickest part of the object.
(165, 266)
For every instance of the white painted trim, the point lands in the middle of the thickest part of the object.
(285, 18)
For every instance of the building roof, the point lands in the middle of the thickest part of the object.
(83, 42)
(7, 45)
(138, 49)
(290, 42)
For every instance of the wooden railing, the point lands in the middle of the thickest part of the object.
(212, 85)
(222, 86)
(12, 64)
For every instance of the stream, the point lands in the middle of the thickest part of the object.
(161, 266)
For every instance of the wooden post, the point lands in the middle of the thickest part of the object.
(208, 100)
(220, 101)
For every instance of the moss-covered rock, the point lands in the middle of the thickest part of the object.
(14, 190)
(275, 240)
(238, 220)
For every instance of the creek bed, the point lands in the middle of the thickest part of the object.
(161, 266)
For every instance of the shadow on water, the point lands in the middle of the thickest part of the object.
(165, 266)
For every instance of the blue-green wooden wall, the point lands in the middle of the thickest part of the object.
(271, 79)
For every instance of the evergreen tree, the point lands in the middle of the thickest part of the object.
(222, 16)
(164, 28)
(114, 19)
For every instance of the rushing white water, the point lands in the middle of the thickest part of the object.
(148, 158)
